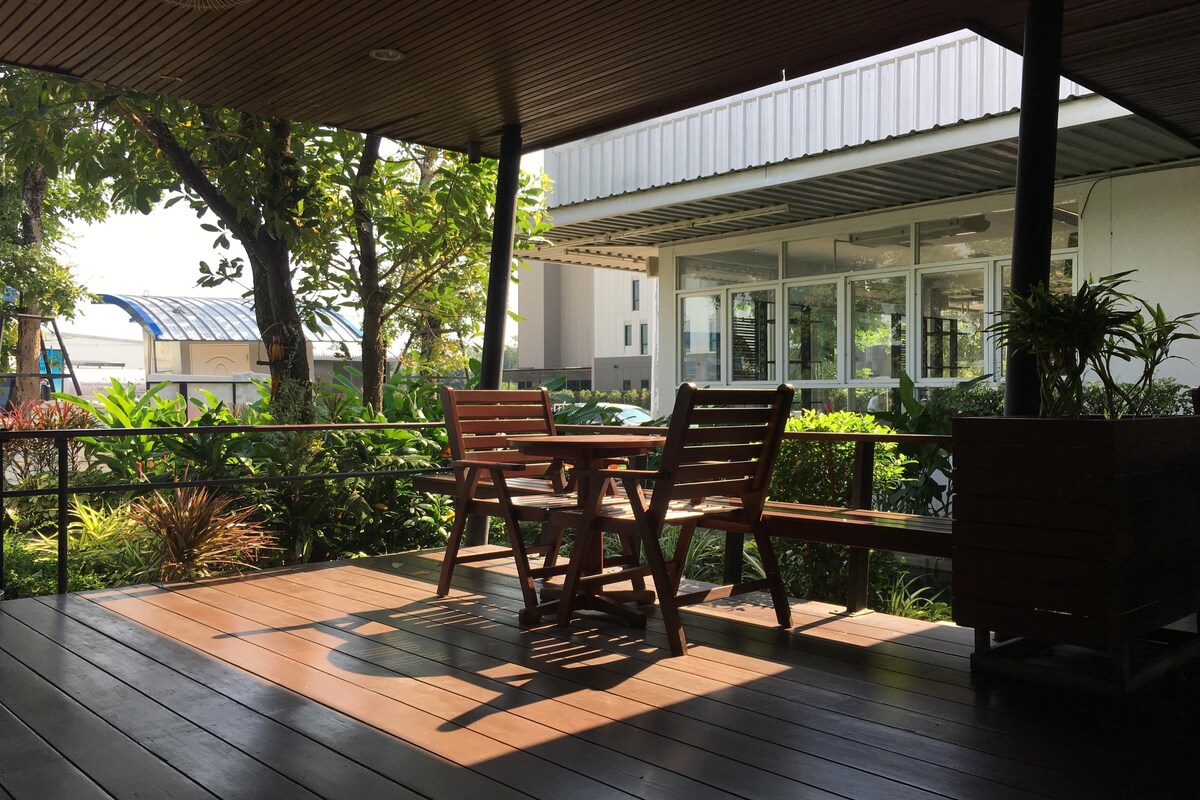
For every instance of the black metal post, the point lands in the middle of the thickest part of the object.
(61, 443)
(1036, 149)
(503, 226)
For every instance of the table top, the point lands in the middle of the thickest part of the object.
(573, 444)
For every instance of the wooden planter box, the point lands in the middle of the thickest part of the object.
(1083, 532)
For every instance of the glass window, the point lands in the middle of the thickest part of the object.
(812, 332)
(636, 300)
(645, 338)
(629, 336)
(990, 234)
(749, 265)
(952, 324)
(626, 384)
(645, 383)
(752, 331)
(878, 249)
(167, 358)
(1062, 279)
(878, 321)
(700, 338)
(809, 258)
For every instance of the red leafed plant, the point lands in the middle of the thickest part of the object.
(27, 459)
(195, 533)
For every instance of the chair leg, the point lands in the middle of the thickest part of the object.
(783, 606)
(452, 547)
(734, 546)
(521, 557)
(552, 536)
(629, 551)
(664, 585)
(678, 559)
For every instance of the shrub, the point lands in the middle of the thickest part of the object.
(195, 533)
(100, 541)
(821, 473)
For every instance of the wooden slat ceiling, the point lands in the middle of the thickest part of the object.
(563, 70)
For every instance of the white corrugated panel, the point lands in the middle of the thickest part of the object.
(940, 82)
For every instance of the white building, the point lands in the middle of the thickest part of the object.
(836, 229)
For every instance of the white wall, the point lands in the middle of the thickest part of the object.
(614, 301)
(1150, 222)
(531, 307)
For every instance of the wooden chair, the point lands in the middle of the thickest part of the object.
(715, 472)
(486, 469)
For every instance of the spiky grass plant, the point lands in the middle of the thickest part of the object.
(196, 534)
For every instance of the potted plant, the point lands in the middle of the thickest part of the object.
(1073, 529)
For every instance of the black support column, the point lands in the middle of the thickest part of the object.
(499, 275)
(1041, 67)
(503, 225)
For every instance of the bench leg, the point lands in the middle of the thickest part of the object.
(783, 606)
(860, 562)
(734, 547)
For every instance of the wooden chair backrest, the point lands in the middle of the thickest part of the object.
(479, 422)
(722, 442)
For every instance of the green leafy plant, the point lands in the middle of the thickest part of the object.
(100, 541)
(905, 597)
(821, 473)
(1093, 328)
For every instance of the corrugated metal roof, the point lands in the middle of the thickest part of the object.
(214, 319)
(1094, 148)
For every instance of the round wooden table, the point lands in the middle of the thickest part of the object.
(587, 452)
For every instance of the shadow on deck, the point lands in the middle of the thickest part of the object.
(353, 680)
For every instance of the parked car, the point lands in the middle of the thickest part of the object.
(601, 414)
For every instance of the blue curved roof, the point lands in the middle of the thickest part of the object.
(214, 319)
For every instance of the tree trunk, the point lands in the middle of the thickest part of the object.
(282, 330)
(29, 331)
(374, 345)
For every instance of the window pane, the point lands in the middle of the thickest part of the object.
(878, 320)
(753, 332)
(628, 335)
(812, 332)
(962, 238)
(751, 265)
(1062, 279)
(809, 258)
(645, 338)
(700, 339)
(952, 324)
(879, 249)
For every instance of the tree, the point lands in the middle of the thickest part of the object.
(413, 251)
(47, 136)
(254, 175)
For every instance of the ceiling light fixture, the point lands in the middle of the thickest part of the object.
(385, 54)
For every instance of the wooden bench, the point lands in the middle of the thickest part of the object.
(858, 526)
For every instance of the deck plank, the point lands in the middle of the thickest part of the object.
(353, 680)
(373, 698)
(461, 672)
(30, 769)
(317, 768)
(400, 761)
(117, 764)
(712, 712)
(207, 759)
(881, 723)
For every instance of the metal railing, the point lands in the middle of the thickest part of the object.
(63, 490)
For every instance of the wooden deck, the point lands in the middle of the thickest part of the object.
(352, 680)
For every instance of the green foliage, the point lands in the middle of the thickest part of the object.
(905, 597)
(1095, 327)
(31, 574)
(821, 473)
(926, 487)
(195, 533)
(101, 541)
(968, 399)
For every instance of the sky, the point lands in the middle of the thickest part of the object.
(157, 254)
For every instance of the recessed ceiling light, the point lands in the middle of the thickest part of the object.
(385, 54)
